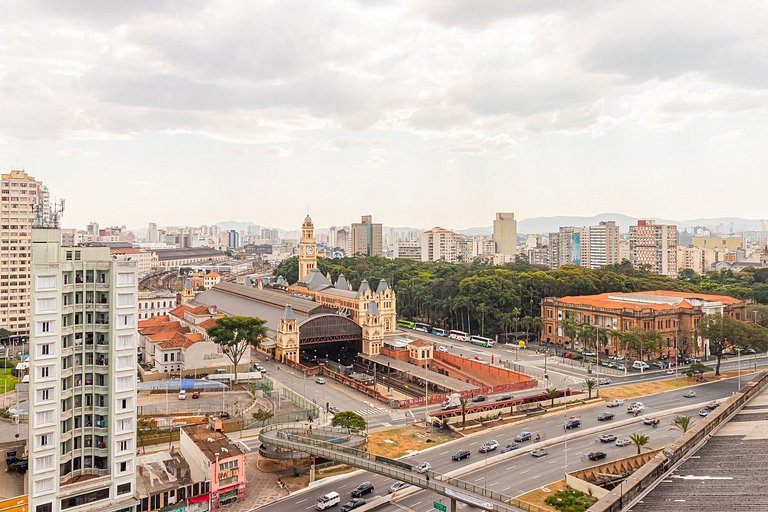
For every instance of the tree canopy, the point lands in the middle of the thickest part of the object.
(349, 420)
(236, 334)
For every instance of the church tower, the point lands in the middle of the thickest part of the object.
(373, 337)
(307, 249)
(288, 336)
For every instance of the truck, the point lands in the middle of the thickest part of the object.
(454, 400)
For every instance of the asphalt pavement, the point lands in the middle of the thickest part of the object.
(528, 472)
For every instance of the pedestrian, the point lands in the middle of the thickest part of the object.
(427, 477)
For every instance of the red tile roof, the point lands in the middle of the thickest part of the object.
(608, 301)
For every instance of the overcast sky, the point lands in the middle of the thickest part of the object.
(420, 113)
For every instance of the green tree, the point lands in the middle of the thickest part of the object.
(721, 331)
(349, 420)
(682, 423)
(552, 393)
(236, 334)
(537, 325)
(590, 383)
(145, 427)
(463, 401)
(570, 329)
(262, 416)
(482, 309)
(639, 440)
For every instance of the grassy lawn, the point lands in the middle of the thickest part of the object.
(537, 496)
(7, 381)
(660, 386)
(404, 440)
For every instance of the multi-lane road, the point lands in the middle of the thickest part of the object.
(523, 472)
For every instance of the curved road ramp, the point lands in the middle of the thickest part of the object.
(315, 443)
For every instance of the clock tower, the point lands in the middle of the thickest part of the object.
(307, 249)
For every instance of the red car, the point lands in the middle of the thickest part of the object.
(196, 394)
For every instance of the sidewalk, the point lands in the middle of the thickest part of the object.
(262, 489)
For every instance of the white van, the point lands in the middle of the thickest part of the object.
(639, 365)
(183, 394)
(328, 500)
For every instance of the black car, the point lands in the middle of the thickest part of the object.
(352, 504)
(479, 398)
(572, 424)
(596, 455)
(605, 416)
(712, 406)
(363, 488)
(505, 397)
(461, 454)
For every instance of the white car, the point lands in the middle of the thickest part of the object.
(635, 406)
(423, 467)
(442, 348)
(690, 394)
(623, 442)
(703, 413)
(615, 403)
(182, 394)
(320, 380)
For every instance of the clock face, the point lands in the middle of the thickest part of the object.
(310, 250)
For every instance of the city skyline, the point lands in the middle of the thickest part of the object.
(456, 110)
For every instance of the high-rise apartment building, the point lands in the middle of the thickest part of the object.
(439, 244)
(653, 247)
(505, 233)
(342, 239)
(366, 238)
(233, 239)
(82, 390)
(569, 246)
(22, 199)
(603, 245)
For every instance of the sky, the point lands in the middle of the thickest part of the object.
(420, 113)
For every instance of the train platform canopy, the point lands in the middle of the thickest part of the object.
(269, 305)
(433, 377)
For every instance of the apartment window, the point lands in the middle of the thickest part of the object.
(125, 300)
(124, 404)
(45, 283)
(124, 320)
(43, 372)
(46, 327)
(124, 383)
(46, 507)
(124, 446)
(45, 394)
(124, 488)
(125, 425)
(44, 418)
(125, 362)
(44, 440)
(43, 485)
(44, 349)
(125, 341)
(46, 304)
(126, 278)
(43, 463)
(124, 466)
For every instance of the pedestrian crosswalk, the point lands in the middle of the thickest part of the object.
(370, 411)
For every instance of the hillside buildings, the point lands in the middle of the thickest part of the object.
(19, 195)
(82, 411)
(654, 247)
(505, 233)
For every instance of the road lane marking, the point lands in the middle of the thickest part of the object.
(506, 488)
(443, 453)
(478, 479)
(301, 501)
(511, 467)
(537, 476)
(526, 471)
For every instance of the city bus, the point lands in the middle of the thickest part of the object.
(405, 324)
(458, 335)
(418, 326)
(479, 340)
(439, 332)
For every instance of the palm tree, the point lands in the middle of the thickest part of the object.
(537, 325)
(463, 401)
(526, 322)
(570, 329)
(552, 393)
(616, 334)
(682, 423)
(639, 440)
(482, 309)
(590, 383)
(586, 334)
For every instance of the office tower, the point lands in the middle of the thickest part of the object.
(153, 236)
(233, 239)
(21, 199)
(505, 233)
(653, 247)
(332, 237)
(603, 245)
(82, 407)
(366, 238)
(93, 228)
